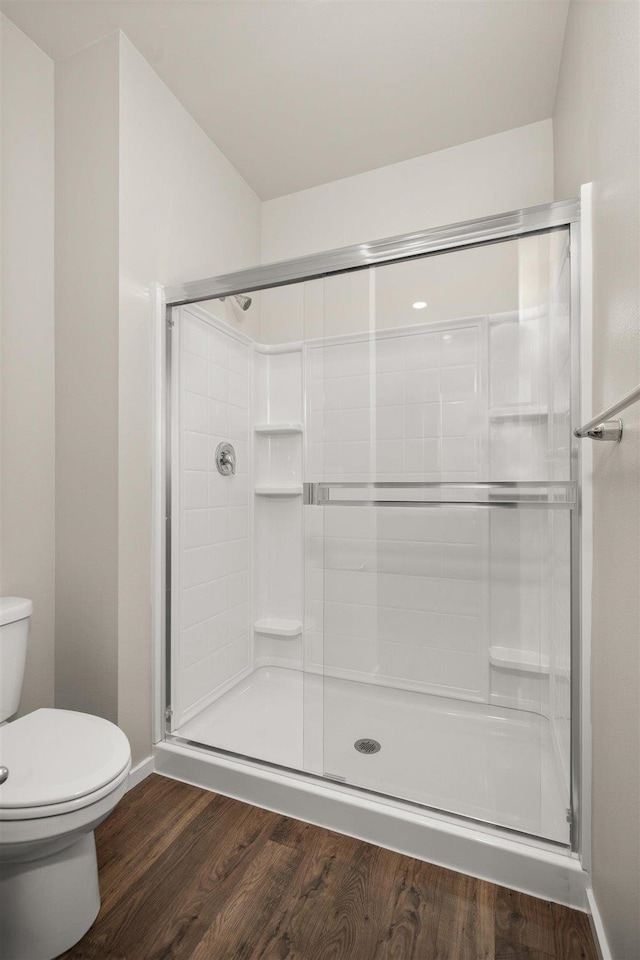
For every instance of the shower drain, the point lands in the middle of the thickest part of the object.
(367, 746)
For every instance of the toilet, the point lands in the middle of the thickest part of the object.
(61, 774)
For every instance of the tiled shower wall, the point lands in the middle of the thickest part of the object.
(398, 407)
(405, 596)
(212, 553)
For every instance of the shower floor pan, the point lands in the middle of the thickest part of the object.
(476, 760)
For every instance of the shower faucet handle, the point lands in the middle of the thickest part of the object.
(225, 459)
(4, 773)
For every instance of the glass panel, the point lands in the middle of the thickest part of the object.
(445, 621)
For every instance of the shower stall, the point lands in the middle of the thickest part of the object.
(373, 523)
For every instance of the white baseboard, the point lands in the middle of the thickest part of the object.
(597, 927)
(141, 770)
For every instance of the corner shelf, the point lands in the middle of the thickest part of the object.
(276, 627)
(526, 661)
(277, 429)
(278, 490)
(526, 411)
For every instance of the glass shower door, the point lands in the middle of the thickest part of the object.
(438, 585)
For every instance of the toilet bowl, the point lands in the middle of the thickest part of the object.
(67, 771)
(61, 774)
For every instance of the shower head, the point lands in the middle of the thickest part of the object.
(243, 302)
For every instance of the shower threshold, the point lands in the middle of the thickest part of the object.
(476, 760)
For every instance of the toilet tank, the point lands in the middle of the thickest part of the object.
(14, 631)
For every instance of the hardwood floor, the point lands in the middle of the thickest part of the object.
(189, 874)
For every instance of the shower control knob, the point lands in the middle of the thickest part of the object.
(4, 773)
(225, 459)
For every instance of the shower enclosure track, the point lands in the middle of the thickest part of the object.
(468, 233)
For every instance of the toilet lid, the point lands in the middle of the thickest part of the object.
(59, 755)
(14, 608)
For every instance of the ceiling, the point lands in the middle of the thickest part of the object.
(301, 93)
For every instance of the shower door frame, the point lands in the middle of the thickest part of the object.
(459, 236)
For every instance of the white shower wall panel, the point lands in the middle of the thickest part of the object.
(278, 392)
(211, 549)
(278, 552)
(398, 406)
(278, 532)
(520, 575)
(400, 595)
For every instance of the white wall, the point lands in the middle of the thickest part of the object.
(185, 213)
(86, 196)
(27, 560)
(143, 197)
(596, 135)
(493, 175)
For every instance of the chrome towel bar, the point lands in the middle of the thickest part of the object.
(604, 428)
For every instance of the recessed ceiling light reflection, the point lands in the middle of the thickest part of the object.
(419, 305)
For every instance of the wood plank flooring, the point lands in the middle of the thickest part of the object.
(185, 873)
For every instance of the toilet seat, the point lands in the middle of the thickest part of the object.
(59, 761)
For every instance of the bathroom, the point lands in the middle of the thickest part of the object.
(300, 509)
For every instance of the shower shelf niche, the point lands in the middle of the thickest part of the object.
(276, 627)
(526, 661)
(525, 411)
(277, 429)
(278, 490)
